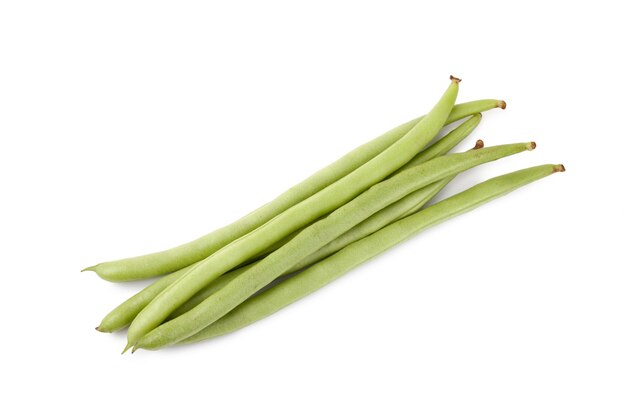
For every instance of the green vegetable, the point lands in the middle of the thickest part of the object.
(160, 263)
(324, 272)
(308, 241)
(124, 314)
(292, 219)
(341, 216)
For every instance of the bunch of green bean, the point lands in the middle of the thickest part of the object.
(357, 207)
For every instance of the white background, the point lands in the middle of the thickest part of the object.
(131, 126)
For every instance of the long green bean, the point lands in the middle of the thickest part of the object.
(163, 262)
(122, 315)
(314, 237)
(351, 256)
(292, 219)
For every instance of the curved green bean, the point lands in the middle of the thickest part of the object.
(353, 255)
(311, 239)
(163, 262)
(295, 217)
(125, 313)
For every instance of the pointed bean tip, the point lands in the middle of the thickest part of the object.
(479, 144)
(558, 168)
(502, 104)
(89, 268)
(128, 346)
(455, 79)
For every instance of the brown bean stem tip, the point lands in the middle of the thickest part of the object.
(455, 79)
(533, 145)
(479, 144)
(502, 104)
(558, 168)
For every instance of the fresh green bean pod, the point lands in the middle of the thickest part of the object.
(163, 262)
(324, 272)
(125, 313)
(294, 218)
(312, 238)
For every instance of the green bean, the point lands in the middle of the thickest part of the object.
(353, 255)
(125, 313)
(160, 263)
(295, 217)
(314, 237)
